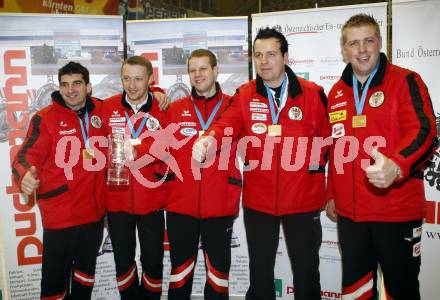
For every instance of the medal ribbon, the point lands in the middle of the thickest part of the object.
(360, 103)
(136, 132)
(276, 115)
(206, 125)
(85, 129)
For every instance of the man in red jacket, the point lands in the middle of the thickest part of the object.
(384, 111)
(71, 203)
(136, 206)
(283, 117)
(204, 204)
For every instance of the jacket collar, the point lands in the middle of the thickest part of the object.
(294, 86)
(58, 99)
(218, 93)
(347, 74)
(144, 108)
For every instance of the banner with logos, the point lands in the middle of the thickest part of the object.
(315, 54)
(167, 44)
(416, 45)
(32, 49)
(83, 7)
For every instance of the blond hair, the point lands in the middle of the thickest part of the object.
(359, 20)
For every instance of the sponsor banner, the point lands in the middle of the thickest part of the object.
(146, 9)
(421, 53)
(94, 7)
(314, 54)
(313, 36)
(32, 49)
(168, 44)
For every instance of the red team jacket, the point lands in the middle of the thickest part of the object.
(218, 192)
(62, 202)
(272, 186)
(134, 198)
(398, 108)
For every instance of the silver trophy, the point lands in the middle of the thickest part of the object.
(117, 172)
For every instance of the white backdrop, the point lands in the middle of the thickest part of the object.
(314, 53)
(32, 49)
(416, 45)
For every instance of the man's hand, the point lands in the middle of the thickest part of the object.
(383, 172)
(162, 99)
(30, 182)
(330, 210)
(201, 147)
(130, 151)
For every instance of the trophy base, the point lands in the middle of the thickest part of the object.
(117, 182)
(118, 177)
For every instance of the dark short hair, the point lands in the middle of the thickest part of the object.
(267, 33)
(203, 53)
(74, 68)
(139, 61)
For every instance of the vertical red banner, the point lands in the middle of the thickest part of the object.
(152, 56)
(438, 212)
(430, 211)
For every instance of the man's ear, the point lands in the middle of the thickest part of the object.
(89, 88)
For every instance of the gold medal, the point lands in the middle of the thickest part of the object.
(201, 132)
(88, 153)
(359, 121)
(135, 142)
(274, 130)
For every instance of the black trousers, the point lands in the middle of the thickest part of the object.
(395, 246)
(183, 234)
(122, 229)
(69, 255)
(303, 236)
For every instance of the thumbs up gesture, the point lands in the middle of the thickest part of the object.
(383, 172)
(30, 181)
(201, 147)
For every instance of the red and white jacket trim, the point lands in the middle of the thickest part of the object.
(125, 280)
(361, 290)
(180, 275)
(218, 280)
(59, 296)
(153, 285)
(84, 279)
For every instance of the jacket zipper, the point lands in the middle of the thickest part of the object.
(94, 196)
(277, 185)
(201, 170)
